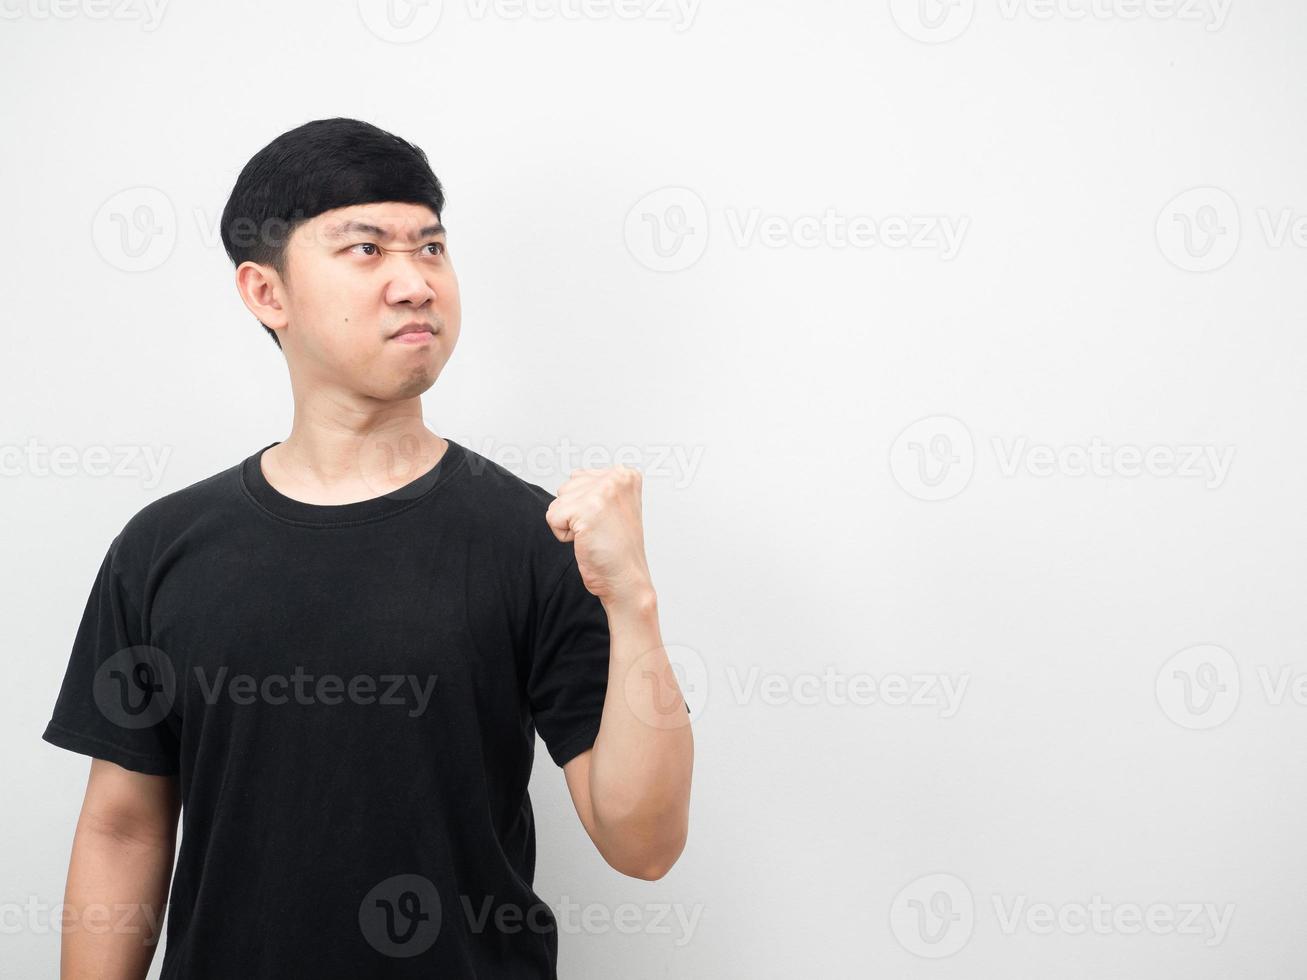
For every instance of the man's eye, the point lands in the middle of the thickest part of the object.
(375, 248)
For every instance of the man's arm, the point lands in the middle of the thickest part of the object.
(632, 787)
(119, 874)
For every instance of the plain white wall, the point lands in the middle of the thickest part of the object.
(978, 330)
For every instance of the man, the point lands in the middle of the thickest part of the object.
(333, 657)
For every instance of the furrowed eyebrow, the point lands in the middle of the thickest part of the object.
(363, 228)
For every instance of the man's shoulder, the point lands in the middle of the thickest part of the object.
(510, 506)
(501, 489)
(165, 519)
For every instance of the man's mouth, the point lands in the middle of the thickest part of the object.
(414, 333)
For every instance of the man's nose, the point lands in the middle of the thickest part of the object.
(408, 285)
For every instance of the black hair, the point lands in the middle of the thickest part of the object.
(316, 167)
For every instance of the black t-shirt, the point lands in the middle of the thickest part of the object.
(348, 695)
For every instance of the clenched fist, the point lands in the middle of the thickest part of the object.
(599, 510)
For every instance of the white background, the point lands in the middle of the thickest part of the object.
(1095, 299)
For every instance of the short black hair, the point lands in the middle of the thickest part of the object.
(316, 167)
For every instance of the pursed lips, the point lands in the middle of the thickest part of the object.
(414, 332)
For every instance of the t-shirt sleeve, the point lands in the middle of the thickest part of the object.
(116, 699)
(569, 666)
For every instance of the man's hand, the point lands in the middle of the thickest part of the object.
(599, 510)
(631, 789)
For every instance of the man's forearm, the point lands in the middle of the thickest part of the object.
(116, 894)
(643, 756)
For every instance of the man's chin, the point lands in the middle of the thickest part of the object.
(414, 384)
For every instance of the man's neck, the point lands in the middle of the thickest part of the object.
(334, 463)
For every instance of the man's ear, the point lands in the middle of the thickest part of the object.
(263, 293)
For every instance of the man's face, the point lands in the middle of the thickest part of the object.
(355, 278)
